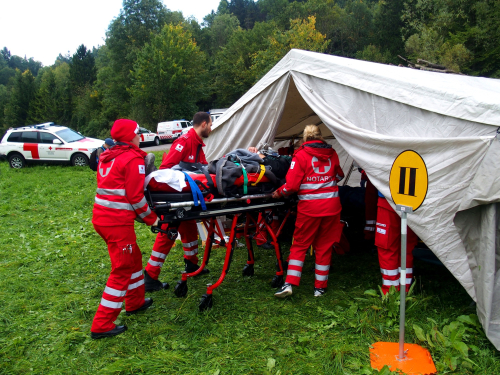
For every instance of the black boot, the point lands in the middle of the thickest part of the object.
(191, 267)
(152, 285)
(147, 302)
(267, 245)
(115, 331)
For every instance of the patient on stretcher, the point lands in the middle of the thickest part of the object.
(239, 172)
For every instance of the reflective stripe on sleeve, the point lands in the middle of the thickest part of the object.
(158, 255)
(370, 221)
(114, 292)
(115, 205)
(294, 262)
(389, 272)
(111, 304)
(370, 229)
(294, 273)
(136, 285)
(310, 197)
(119, 192)
(140, 204)
(321, 277)
(155, 263)
(144, 214)
(135, 275)
(321, 268)
(318, 186)
(189, 244)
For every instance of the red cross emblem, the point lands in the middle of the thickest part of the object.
(50, 148)
(320, 167)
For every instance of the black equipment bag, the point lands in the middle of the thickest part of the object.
(93, 162)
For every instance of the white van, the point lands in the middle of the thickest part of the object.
(216, 113)
(171, 130)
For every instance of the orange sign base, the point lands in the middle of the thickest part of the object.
(417, 361)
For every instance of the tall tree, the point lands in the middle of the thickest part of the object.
(168, 77)
(82, 69)
(126, 35)
(232, 73)
(302, 35)
(22, 94)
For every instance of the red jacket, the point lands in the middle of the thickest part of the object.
(185, 149)
(120, 188)
(313, 175)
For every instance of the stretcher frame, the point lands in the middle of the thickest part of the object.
(173, 213)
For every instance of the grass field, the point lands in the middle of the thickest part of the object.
(53, 268)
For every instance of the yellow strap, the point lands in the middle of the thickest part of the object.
(261, 174)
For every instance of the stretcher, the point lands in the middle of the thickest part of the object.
(242, 208)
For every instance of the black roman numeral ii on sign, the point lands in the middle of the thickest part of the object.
(403, 172)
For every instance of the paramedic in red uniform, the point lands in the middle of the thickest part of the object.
(313, 175)
(188, 149)
(388, 243)
(119, 200)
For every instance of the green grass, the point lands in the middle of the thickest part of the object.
(53, 268)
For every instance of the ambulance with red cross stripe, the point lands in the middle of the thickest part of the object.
(147, 136)
(46, 143)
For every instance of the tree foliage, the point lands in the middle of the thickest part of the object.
(156, 65)
(302, 35)
(168, 77)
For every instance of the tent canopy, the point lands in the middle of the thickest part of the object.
(375, 112)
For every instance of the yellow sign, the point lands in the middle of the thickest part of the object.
(408, 180)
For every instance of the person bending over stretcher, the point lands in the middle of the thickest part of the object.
(313, 175)
(187, 149)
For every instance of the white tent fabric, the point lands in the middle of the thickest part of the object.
(375, 112)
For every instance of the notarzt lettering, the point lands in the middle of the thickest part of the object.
(319, 178)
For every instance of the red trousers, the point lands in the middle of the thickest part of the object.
(321, 233)
(371, 198)
(189, 237)
(388, 242)
(125, 282)
(261, 238)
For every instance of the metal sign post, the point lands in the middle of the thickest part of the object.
(402, 283)
(408, 184)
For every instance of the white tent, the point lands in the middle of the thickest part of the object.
(375, 112)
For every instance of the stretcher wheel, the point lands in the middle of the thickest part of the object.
(277, 281)
(248, 270)
(181, 289)
(206, 302)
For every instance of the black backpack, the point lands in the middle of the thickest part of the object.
(94, 160)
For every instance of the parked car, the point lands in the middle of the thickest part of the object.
(171, 130)
(147, 136)
(46, 143)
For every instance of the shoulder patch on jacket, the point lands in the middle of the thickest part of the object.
(179, 147)
(142, 169)
(292, 165)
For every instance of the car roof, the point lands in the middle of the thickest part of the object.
(44, 126)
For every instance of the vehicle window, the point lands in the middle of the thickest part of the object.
(184, 125)
(14, 137)
(30, 137)
(69, 135)
(47, 138)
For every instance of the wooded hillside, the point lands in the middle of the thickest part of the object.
(156, 65)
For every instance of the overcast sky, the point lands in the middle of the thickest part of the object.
(44, 29)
